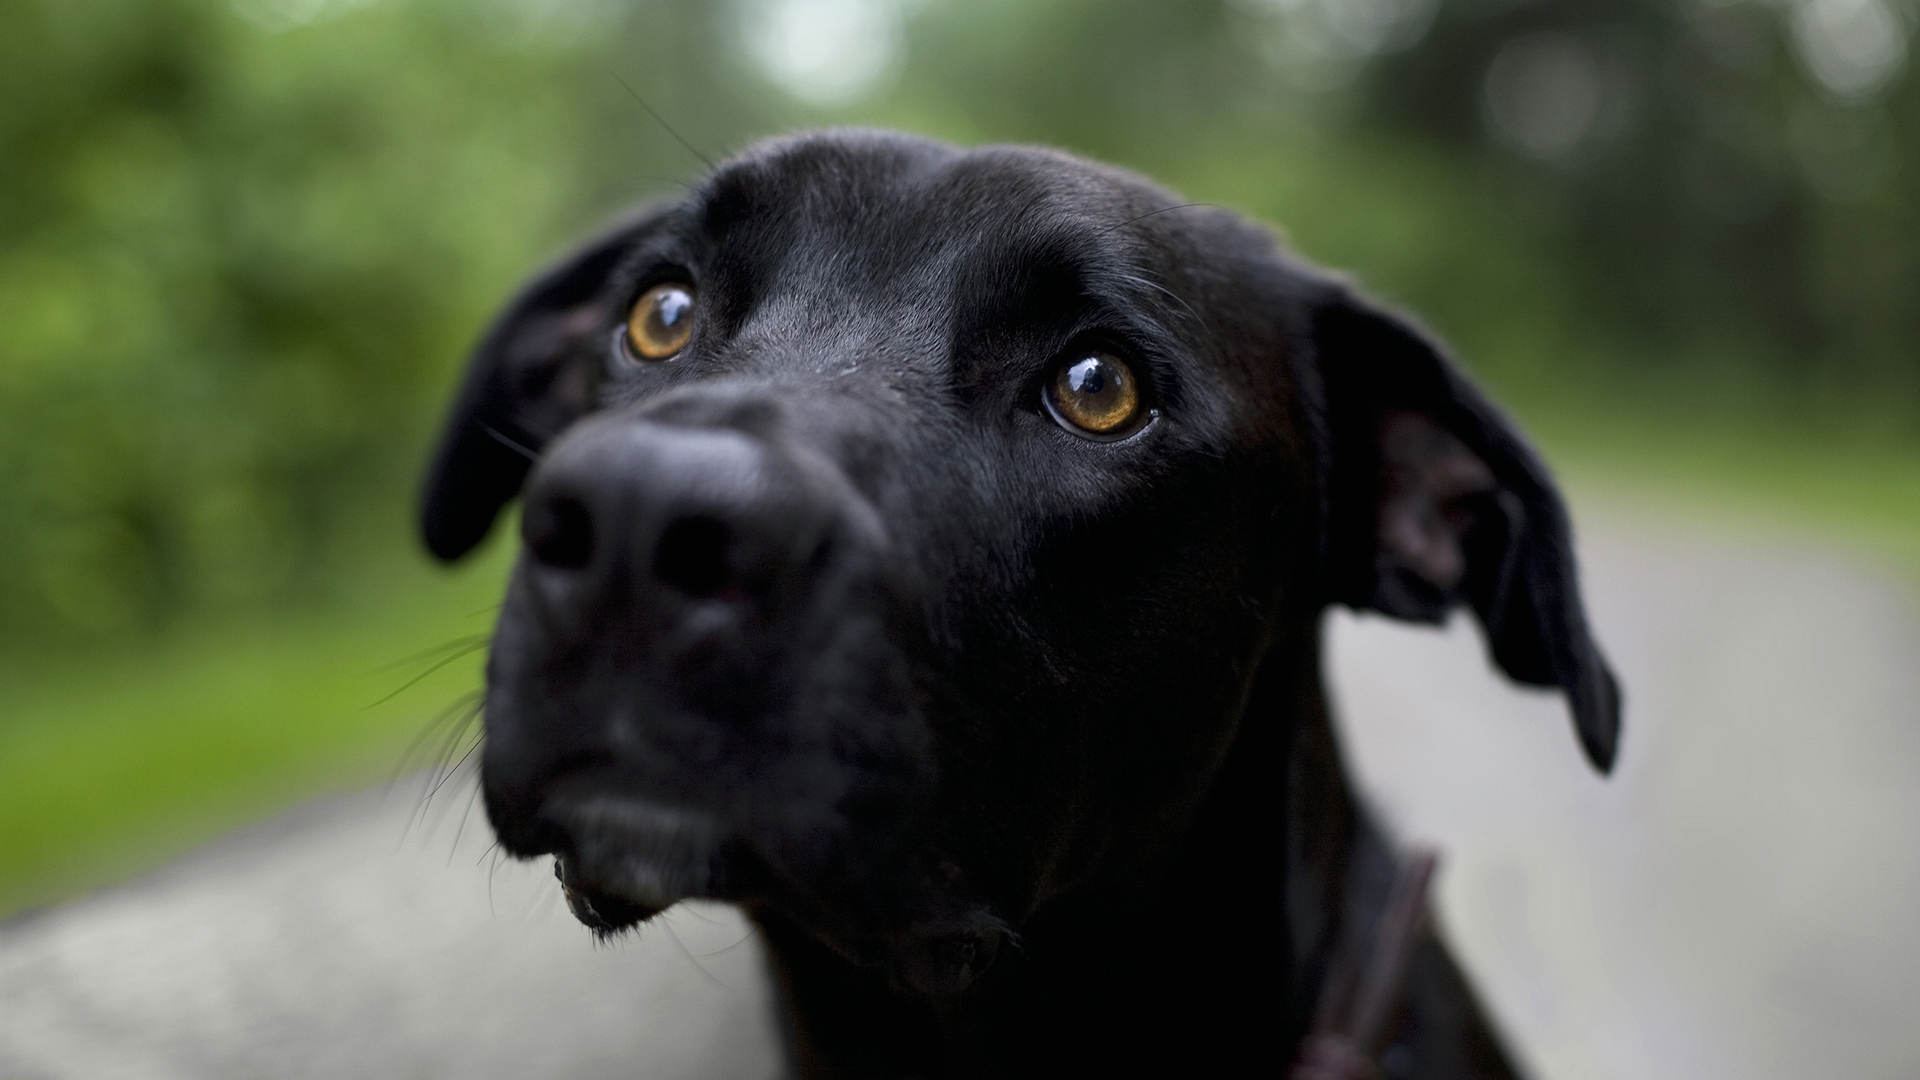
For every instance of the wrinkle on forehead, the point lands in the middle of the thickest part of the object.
(857, 233)
(882, 204)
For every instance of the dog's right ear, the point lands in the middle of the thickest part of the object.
(1436, 502)
(531, 377)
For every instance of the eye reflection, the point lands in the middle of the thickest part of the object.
(661, 321)
(1094, 393)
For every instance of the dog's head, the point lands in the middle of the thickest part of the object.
(904, 526)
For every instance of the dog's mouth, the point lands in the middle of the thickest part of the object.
(627, 861)
(623, 860)
(600, 911)
(828, 846)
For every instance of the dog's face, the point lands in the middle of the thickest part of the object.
(903, 528)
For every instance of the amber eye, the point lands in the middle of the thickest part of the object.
(661, 321)
(1096, 394)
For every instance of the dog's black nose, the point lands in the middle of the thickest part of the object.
(559, 532)
(692, 556)
(638, 514)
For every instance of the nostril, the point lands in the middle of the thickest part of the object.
(562, 534)
(692, 556)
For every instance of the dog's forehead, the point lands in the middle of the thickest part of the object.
(885, 209)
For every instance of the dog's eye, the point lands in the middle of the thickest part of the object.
(1096, 394)
(661, 321)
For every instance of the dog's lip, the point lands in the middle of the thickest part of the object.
(622, 859)
(603, 912)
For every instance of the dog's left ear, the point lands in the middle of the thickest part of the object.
(1436, 500)
(530, 377)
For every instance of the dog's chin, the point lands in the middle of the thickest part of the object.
(603, 912)
(625, 860)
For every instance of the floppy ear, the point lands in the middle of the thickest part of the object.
(1436, 500)
(530, 377)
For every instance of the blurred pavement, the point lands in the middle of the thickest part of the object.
(355, 937)
(1741, 900)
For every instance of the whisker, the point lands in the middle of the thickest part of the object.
(426, 803)
(459, 710)
(491, 870)
(467, 701)
(470, 646)
(465, 816)
(455, 718)
(1148, 283)
(658, 119)
(451, 770)
(692, 959)
(1162, 210)
(501, 438)
(744, 938)
(463, 641)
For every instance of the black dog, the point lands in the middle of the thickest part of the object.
(925, 550)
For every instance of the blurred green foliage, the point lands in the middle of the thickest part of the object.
(1741, 196)
(244, 242)
(235, 269)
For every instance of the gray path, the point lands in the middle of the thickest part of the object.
(1742, 900)
(354, 939)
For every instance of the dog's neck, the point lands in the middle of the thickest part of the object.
(1276, 834)
(1202, 974)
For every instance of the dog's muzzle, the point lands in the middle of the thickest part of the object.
(697, 684)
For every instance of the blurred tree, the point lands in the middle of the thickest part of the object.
(240, 247)
(1729, 181)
